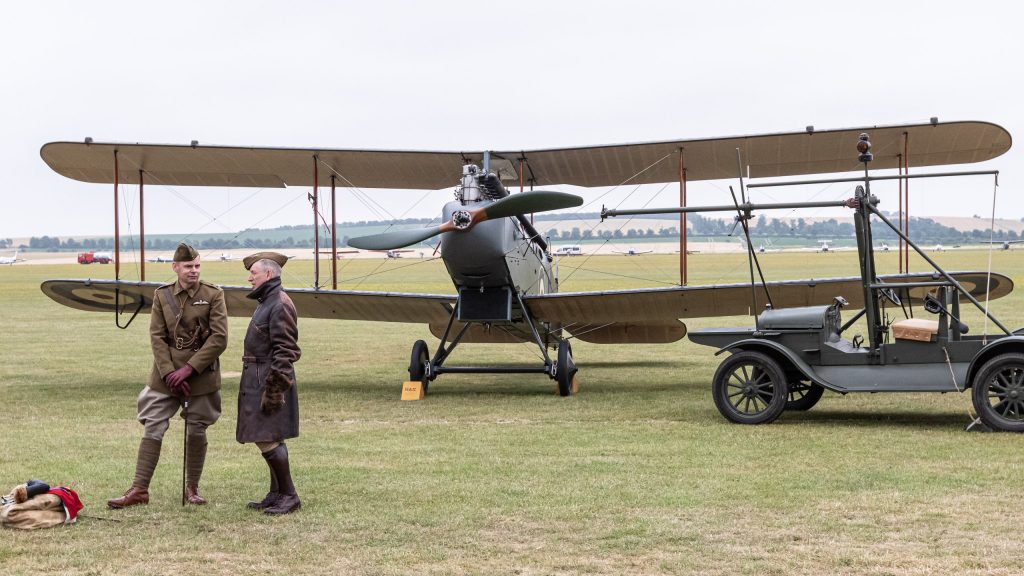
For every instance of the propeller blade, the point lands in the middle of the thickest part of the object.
(524, 203)
(396, 239)
(527, 202)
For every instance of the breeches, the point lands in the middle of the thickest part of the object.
(156, 410)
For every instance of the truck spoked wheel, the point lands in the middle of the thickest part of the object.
(750, 388)
(803, 395)
(998, 393)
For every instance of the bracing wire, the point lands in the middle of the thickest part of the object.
(212, 219)
(128, 221)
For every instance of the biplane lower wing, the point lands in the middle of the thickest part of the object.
(651, 315)
(129, 297)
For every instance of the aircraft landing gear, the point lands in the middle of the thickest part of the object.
(419, 363)
(565, 369)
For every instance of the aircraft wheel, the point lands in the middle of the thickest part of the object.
(565, 370)
(998, 393)
(750, 388)
(418, 363)
(803, 395)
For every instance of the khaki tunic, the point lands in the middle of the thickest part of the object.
(188, 326)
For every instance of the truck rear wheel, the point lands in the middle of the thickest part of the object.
(750, 388)
(803, 395)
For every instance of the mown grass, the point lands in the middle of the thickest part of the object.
(637, 474)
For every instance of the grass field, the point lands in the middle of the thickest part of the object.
(637, 474)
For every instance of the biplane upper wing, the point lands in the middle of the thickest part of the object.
(654, 315)
(781, 154)
(627, 316)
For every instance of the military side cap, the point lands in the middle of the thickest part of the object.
(248, 261)
(185, 253)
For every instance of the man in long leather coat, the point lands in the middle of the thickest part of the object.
(188, 332)
(268, 406)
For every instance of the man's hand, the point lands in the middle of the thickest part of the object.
(177, 382)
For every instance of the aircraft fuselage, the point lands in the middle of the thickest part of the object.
(495, 253)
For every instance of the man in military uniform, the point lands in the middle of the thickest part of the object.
(189, 331)
(268, 405)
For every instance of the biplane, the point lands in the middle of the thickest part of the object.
(504, 288)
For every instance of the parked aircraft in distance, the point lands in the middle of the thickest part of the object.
(633, 252)
(10, 260)
(1003, 244)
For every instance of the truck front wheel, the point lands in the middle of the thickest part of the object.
(750, 388)
(998, 393)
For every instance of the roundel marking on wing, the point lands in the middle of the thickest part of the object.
(96, 298)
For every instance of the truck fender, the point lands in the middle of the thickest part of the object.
(1000, 346)
(783, 356)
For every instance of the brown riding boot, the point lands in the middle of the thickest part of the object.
(133, 496)
(194, 460)
(288, 500)
(149, 455)
(271, 498)
(192, 495)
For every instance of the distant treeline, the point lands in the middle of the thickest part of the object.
(921, 230)
(301, 236)
(54, 244)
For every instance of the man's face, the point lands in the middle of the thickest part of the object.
(257, 275)
(188, 272)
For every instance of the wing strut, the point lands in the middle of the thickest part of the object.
(117, 223)
(682, 220)
(117, 244)
(334, 235)
(142, 232)
(905, 264)
(316, 224)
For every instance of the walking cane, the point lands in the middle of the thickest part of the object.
(184, 451)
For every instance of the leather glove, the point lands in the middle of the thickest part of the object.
(176, 380)
(273, 393)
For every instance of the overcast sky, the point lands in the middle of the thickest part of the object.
(446, 75)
